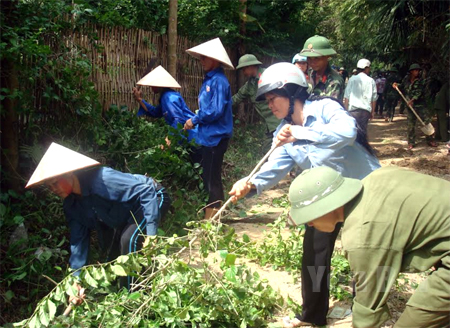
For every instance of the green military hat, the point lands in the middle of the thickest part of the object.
(248, 60)
(317, 46)
(414, 66)
(319, 191)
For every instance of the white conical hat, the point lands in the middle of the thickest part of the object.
(159, 77)
(59, 160)
(212, 49)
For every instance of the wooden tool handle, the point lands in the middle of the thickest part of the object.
(257, 167)
(410, 107)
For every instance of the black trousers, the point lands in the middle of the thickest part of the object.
(361, 117)
(390, 107)
(380, 104)
(212, 159)
(316, 266)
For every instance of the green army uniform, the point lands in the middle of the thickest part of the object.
(415, 91)
(248, 91)
(391, 95)
(331, 85)
(401, 222)
(395, 220)
(441, 105)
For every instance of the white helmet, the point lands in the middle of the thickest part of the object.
(298, 59)
(277, 76)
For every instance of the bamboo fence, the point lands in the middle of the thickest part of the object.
(120, 57)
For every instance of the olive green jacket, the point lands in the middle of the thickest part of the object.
(248, 91)
(443, 99)
(414, 90)
(400, 222)
(331, 85)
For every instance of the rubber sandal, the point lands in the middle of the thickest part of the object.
(292, 323)
(410, 146)
(432, 143)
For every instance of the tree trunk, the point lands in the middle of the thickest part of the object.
(240, 78)
(172, 34)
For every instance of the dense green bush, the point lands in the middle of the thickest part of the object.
(31, 259)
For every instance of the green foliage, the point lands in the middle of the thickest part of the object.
(244, 152)
(168, 292)
(31, 256)
(340, 277)
(285, 27)
(67, 100)
(278, 251)
(144, 14)
(391, 32)
(207, 19)
(276, 28)
(138, 145)
(279, 248)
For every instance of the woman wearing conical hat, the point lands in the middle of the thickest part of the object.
(121, 207)
(214, 118)
(171, 104)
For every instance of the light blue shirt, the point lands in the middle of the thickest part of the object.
(327, 138)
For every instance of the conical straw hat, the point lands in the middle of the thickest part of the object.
(159, 77)
(212, 49)
(59, 160)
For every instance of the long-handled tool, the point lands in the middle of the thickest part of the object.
(257, 167)
(427, 129)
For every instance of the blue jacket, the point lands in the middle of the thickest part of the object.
(108, 198)
(173, 108)
(215, 116)
(326, 139)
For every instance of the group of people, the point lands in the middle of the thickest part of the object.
(312, 130)
(420, 92)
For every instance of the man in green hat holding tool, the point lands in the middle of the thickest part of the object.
(414, 88)
(325, 80)
(251, 67)
(396, 220)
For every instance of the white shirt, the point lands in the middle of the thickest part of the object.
(361, 91)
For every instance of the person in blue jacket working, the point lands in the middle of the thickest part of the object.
(214, 118)
(315, 131)
(123, 208)
(172, 106)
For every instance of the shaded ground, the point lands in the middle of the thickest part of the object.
(389, 140)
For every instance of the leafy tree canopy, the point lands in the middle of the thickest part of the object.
(395, 32)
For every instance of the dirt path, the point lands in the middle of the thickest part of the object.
(389, 140)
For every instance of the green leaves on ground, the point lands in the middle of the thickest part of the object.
(167, 292)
